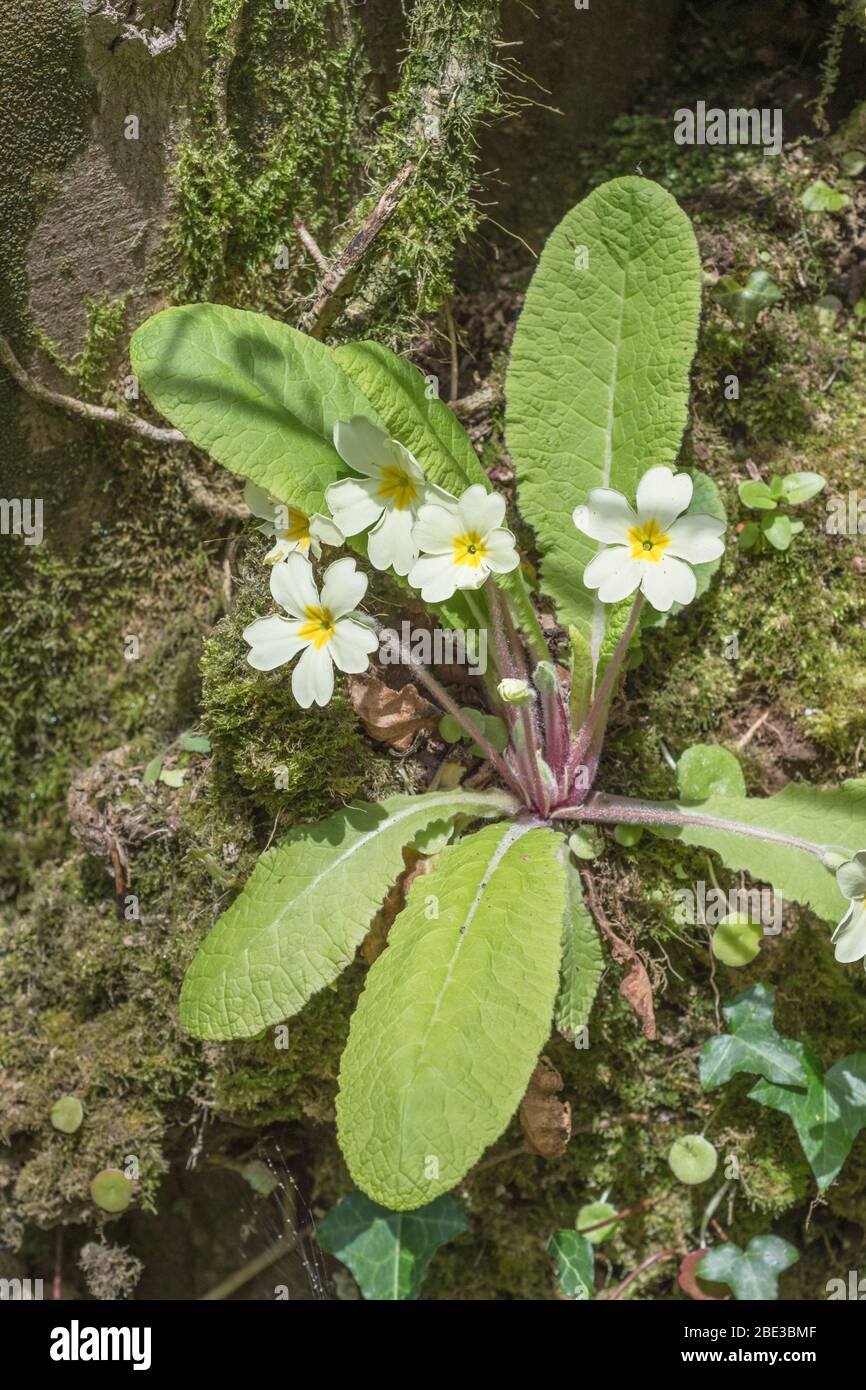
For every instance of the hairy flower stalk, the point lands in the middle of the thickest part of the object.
(603, 694)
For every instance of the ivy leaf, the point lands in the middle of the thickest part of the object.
(582, 960)
(260, 397)
(706, 769)
(575, 1260)
(453, 1016)
(753, 1273)
(828, 1115)
(833, 816)
(388, 1252)
(745, 302)
(305, 910)
(753, 1045)
(399, 393)
(599, 373)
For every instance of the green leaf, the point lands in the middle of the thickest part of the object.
(67, 1114)
(582, 960)
(422, 422)
(755, 494)
(111, 1190)
(801, 487)
(172, 776)
(195, 743)
(749, 536)
(832, 817)
(777, 530)
(820, 197)
(261, 398)
(705, 770)
(575, 1260)
(388, 1252)
(453, 1016)
(306, 909)
(828, 1115)
(597, 386)
(753, 1273)
(753, 1045)
(152, 771)
(745, 302)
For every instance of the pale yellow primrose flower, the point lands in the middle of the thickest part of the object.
(651, 549)
(849, 937)
(387, 497)
(292, 529)
(463, 543)
(325, 629)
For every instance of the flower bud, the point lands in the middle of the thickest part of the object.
(832, 860)
(515, 692)
(545, 677)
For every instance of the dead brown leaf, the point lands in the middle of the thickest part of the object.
(544, 1118)
(390, 716)
(636, 987)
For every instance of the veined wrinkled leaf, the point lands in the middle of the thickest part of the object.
(407, 409)
(598, 382)
(260, 397)
(388, 1251)
(582, 960)
(305, 910)
(453, 1016)
(833, 817)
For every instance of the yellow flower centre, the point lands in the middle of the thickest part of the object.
(297, 528)
(469, 550)
(648, 542)
(397, 486)
(319, 627)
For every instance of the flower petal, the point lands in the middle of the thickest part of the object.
(851, 877)
(501, 550)
(667, 582)
(273, 642)
(662, 495)
(343, 587)
(323, 529)
(292, 585)
(361, 445)
(351, 646)
(259, 500)
(436, 576)
(391, 541)
(851, 943)
(353, 504)
(313, 677)
(697, 538)
(480, 510)
(606, 516)
(436, 528)
(613, 573)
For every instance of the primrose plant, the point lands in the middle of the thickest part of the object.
(345, 442)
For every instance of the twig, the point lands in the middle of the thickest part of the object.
(199, 494)
(476, 403)
(83, 410)
(284, 1246)
(752, 730)
(338, 282)
(307, 239)
(516, 1152)
(651, 1260)
(455, 360)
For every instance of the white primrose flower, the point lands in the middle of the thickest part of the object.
(850, 935)
(652, 549)
(291, 528)
(463, 543)
(325, 629)
(387, 497)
